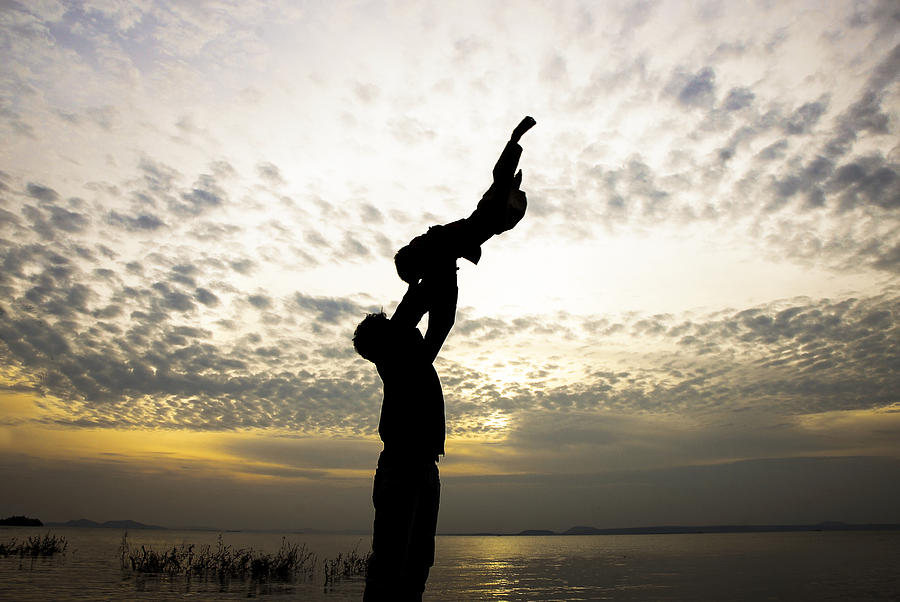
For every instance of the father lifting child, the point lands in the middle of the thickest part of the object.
(407, 488)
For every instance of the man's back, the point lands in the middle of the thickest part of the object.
(412, 413)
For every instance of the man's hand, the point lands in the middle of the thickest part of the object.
(524, 125)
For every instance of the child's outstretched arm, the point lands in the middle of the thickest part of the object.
(509, 158)
(526, 124)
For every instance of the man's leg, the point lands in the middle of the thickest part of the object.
(392, 499)
(394, 496)
(402, 514)
(421, 545)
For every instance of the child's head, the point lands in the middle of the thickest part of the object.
(409, 264)
(373, 336)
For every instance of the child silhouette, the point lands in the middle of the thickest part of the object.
(501, 207)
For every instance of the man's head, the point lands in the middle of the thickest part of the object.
(373, 336)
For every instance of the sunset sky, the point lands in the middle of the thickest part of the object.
(697, 322)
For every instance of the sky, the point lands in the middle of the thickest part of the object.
(697, 321)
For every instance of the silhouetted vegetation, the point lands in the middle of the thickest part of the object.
(292, 561)
(345, 566)
(20, 521)
(34, 546)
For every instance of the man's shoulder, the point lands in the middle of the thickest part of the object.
(407, 348)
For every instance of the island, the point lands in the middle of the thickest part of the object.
(20, 521)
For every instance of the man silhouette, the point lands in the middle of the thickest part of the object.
(407, 487)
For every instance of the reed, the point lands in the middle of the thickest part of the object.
(344, 566)
(223, 561)
(35, 546)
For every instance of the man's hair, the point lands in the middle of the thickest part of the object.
(370, 335)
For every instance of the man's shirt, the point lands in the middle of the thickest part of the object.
(412, 413)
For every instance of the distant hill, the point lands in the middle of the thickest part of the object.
(536, 532)
(110, 524)
(20, 521)
(676, 529)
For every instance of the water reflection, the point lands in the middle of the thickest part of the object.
(784, 566)
(497, 578)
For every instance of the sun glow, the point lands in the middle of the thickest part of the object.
(497, 421)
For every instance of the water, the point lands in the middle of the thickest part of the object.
(714, 567)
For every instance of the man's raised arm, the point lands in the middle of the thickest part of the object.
(441, 294)
(412, 307)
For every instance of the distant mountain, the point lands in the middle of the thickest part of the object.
(110, 524)
(536, 532)
(676, 529)
(198, 528)
(311, 531)
(680, 529)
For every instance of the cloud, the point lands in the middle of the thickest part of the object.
(67, 221)
(411, 131)
(868, 180)
(42, 193)
(866, 114)
(807, 357)
(243, 266)
(173, 299)
(125, 16)
(367, 93)
(467, 47)
(329, 309)
(160, 179)
(553, 69)
(693, 90)
(370, 215)
(722, 493)
(146, 221)
(260, 301)
(140, 306)
(206, 297)
(270, 173)
(206, 194)
(738, 98)
(805, 117)
(351, 247)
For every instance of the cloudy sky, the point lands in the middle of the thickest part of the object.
(696, 322)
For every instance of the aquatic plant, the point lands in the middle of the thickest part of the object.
(35, 546)
(345, 565)
(224, 561)
(291, 561)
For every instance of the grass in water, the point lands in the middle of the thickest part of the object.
(223, 561)
(345, 566)
(35, 546)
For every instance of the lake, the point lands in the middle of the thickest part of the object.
(838, 565)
